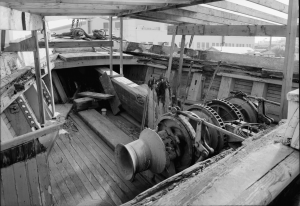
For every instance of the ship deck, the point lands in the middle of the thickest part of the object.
(82, 168)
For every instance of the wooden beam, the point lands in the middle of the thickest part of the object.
(248, 11)
(64, 12)
(145, 18)
(24, 45)
(226, 86)
(171, 58)
(121, 46)
(165, 7)
(11, 19)
(291, 34)
(200, 16)
(30, 136)
(276, 5)
(179, 19)
(232, 30)
(77, 43)
(235, 18)
(254, 79)
(179, 74)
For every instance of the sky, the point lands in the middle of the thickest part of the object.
(58, 23)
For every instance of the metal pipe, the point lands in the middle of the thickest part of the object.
(121, 46)
(48, 67)
(37, 66)
(233, 136)
(111, 49)
(263, 99)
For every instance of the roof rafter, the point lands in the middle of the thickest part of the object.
(248, 11)
(224, 15)
(179, 19)
(200, 16)
(272, 4)
(169, 6)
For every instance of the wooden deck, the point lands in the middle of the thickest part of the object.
(82, 167)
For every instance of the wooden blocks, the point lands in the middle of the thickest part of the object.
(99, 96)
(109, 89)
(226, 87)
(195, 91)
(85, 103)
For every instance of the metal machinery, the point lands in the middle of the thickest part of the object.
(182, 138)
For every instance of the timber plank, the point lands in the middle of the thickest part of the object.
(44, 178)
(57, 84)
(33, 178)
(110, 185)
(109, 89)
(61, 183)
(95, 95)
(227, 85)
(82, 164)
(68, 181)
(21, 183)
(58, 195)
(64, 153)
(5, 133)
(90, 56)
(60, 159)
(106, 153)
(110, 133)
(8, 181)
(76, 43)
(2, 194)
(85, 103)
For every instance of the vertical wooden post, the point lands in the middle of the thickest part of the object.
(111, 49)
(48, 67)
(121, 46)
(171, 56)
(289, 56)
(37, 66)
(180, 66)
(3, 35)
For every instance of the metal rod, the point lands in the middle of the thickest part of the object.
(263, 99)
(111, 49)
(232, 135)
(211, 81)
(121, 46)
(168, 73)
(180, 66)
(37, 66)
(48, 67)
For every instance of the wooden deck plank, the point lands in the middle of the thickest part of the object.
(123, 192)
(110, 176)
(21, 183)
(110, 133)
(2, 193)
(8, 181)
(31, 166)
(67, 178)
(61, 183)
(58, 195)
(59, 158)
(95, 95)
(82, 164)
(64, 153)
(108, 154)
(91, 165)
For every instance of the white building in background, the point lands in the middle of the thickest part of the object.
(156, 33)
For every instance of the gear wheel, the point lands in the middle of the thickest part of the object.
(217, 139)
(226, 110)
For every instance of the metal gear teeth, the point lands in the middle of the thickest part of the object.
(233, 108)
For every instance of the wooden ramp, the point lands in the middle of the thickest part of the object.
(82, 168)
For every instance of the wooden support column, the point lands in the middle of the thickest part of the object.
(111, 49)
(259, 89)
(226, 87)
(2, 41)
(179, 74)
(37, 66)
(121, 46)
(171, 57)
(289, 56)
(48, 67)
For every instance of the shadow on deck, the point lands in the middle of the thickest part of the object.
(82, 168)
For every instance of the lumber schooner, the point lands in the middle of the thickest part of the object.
(111, 122)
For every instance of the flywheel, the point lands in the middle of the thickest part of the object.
(217, 139)
(226, 110)
(246, 107)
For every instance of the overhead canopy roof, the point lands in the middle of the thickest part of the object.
(168, 11)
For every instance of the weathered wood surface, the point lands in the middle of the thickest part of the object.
(90, 56)
(99, 96)
(11, 19)
(60, 89)
(23, 45)
(85, 103)
(109, 89)
(82, 168)
(261, 163)
(5, 133)
(109, 133)
(77, 43)
(131, 95)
